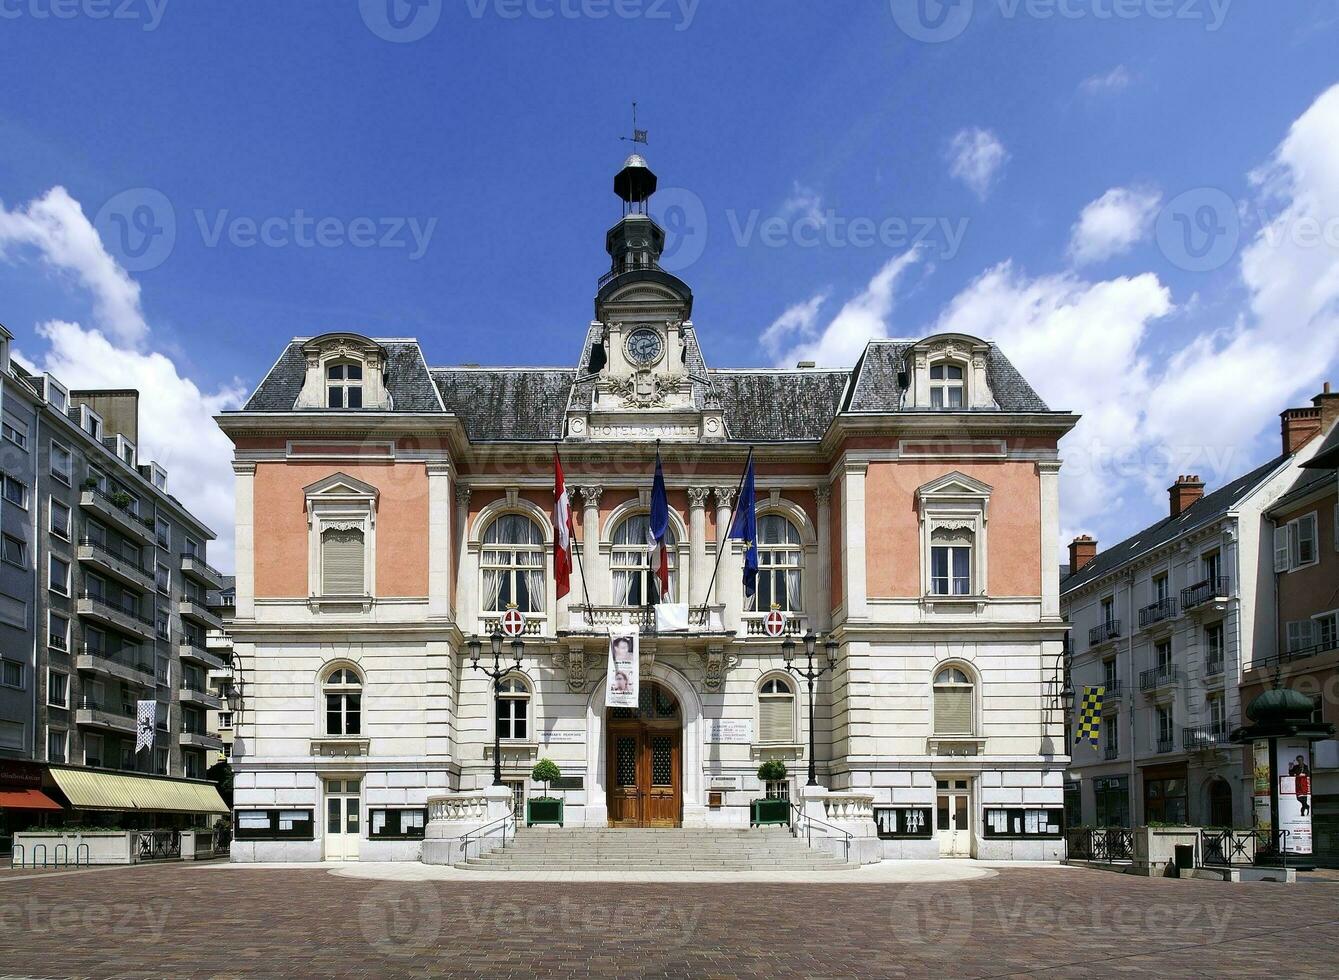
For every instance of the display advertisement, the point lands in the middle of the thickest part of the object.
(1260, 784)
(621, 679)
(1293, 766)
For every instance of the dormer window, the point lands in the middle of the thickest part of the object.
(344, 385)
(947, 385)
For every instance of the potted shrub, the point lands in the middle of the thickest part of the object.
(89, 484)
(770, 809)
(546, 808)
(121, 499)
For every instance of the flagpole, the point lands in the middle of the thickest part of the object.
(590, 619)
(721, 541)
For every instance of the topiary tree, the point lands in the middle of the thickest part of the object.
(772, 771)
(545, 771)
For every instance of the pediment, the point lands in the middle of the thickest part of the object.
(340, 486)
(955, 484)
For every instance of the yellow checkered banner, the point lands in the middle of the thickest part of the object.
(1090, 715)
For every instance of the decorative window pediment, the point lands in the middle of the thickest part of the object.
(344, 372)
(954, 509)
(341, 520)
(948, 373)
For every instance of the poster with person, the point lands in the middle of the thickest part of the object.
(621, 679)
(1293, 765)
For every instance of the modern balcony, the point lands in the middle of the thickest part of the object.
(110, 509)
(205, 699)
(187, 650)
(194, 739)
(198, 612)
(110, 715)
(101, 610)
(1104, 633)
(1162, 611)
(1156, 678)
(1204, 737)
(124, 568)
(1202, 594)
(198, 569)
(131, 664)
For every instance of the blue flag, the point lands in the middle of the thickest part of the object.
(744, 527)
(656, 530)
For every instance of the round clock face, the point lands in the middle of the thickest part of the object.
(644, 346)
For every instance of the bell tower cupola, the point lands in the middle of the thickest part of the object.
(636, 242)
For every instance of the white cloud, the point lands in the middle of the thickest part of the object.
(975, 157)
(1113, 223)
(175, 425)
(55, 226)
(1116, 80)
(805, 202)
(860, 320)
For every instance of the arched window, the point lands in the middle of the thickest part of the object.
(344, 384)
(954, 698)
(342, 561)
(343, 691)
(513, 564)
(630, 566)
(513, 708)
(780, 560)
(947, 386)
(776, 711)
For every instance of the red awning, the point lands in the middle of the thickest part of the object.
(27, 799)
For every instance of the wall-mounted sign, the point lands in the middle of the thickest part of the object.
(737, 731)
(565, 736)
(903, 821)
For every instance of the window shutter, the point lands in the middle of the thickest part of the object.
(342, 562)
(1282, 550)
(953, 711)
(776, 719)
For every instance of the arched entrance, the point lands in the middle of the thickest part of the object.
(644, 760)
(1220, 803)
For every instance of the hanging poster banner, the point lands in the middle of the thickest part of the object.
(621, 678)
(1293, 765)
(1260, 784)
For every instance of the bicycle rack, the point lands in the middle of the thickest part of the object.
(16, 851)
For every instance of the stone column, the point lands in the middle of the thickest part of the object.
(699, 571)
(853, 540)
(440, 543)
(729, 574)
(1048, 471)
(244, 555)
(467, 611)
(597, 583)
(822, 613)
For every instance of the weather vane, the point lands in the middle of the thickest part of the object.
(638, 135)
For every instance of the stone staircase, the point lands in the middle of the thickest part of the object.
(667, 850)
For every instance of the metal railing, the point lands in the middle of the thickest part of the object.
(101, 548)
(1166, 743)
(1202, 592)
(1112, 691)
(127, 656)
(1203, 736)
(158, 845)
(1213, 664)
(87, 703)
(1301, 653)
(493, 829)
(1243, 848)
(124, 506)
(1103, 632)
(1107, 844)
(102, 600)
(1156, 677)
(1110, 752)
(802, 823)
(1156, 612)
(201, 564)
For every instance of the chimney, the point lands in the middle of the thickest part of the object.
(1184, 492)
(1082, 550)
(1328, 403)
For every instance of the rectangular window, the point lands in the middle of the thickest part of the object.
(97, 478)
(1300, 635)
(1165, 800)
(1111, 736)
(57, 689)
(164, 533)
(58, 575)
(190, 762)
(1327, 631)
(1304, 541)
(1212, 564)
(93, 751)
(397, 824)
(275, 825)
(13, 611)
(1217, 716)
(1164, 655)
(162, 578)
(16, 491)
(160, 761)
(11, 673)
(1112, 796)
(56, 742)
(225, 720)
(58, 631)
(15, 551)
(1165, 736)
(1213, 648)
(62, 463)
(951, 570)
(162, 625)
(60, 519)
(1109, 674)
(192, 548)
(15, 430)
(342, 561)
(1108, 610)
(1159, 588)
(903, 821)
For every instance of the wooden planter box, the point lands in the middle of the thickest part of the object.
(770, 811)
(543, 810)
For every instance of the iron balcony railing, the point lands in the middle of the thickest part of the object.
(134, 559)
(1213, 663)
(125, 610)
(1156, 677)
(1103, 632)
(1110, 752)
(1203, 736)
(123, 502)
(1300, 653)
(1157, 612)
(107, 707)
(1112, 691)
(1206, 591)
(1166, 743)
(129, 656)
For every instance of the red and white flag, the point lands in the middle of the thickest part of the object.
(562, 531)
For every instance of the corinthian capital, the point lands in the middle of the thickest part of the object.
(697, 496)
(725, 496)
(591, 495)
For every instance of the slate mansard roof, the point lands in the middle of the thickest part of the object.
(530, 404)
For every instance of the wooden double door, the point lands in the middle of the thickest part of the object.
(645, 784)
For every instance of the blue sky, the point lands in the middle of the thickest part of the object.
(1050, 156)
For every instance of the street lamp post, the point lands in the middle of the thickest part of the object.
(497, 672)
(810, 674)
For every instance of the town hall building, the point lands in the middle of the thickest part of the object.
(390, 512)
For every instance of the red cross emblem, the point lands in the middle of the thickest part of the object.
(513, 622)
(774, 623)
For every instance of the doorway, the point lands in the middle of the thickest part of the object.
(953, 817)
(1220, 803)
(644, 757)
(342, 824)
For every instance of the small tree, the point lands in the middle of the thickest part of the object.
(545, 771)
(772, 771)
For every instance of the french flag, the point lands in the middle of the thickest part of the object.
(656, 530)
(562, 531)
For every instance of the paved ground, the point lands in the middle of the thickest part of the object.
(181, 920)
